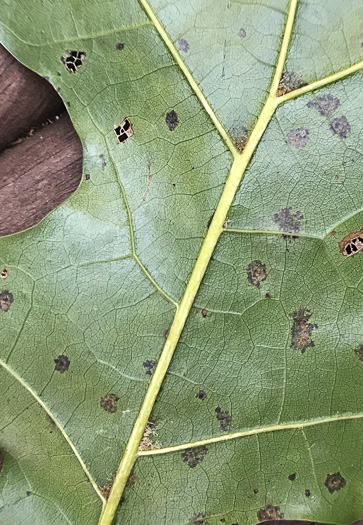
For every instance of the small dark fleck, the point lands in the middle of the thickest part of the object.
(199, 519)
(270, 512)
(256, 273)
(6, 299)
(301, 330)
(183, 45)
(267, 296)
(171, 120)
(88, 176)
(109, 403)
(166, 332)
(61, 363)
(69, 104)
(201, 395)
(204, 313)
(242, 33)
(325, 105)
(120, 46)
(292, 477)
(334, 482)
(255, 491)
(4, 273)
(307, 493)
(340, 126)
(28, 493)
(288, 222)
(193, 456)
(224, 418)
(104, 163)
(148, 365)
(132, 479)
(298, 138)
(223, 520)
(359, 352)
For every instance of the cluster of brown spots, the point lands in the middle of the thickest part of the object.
(199, 519)
(194, 456)
(183, 45)
(103, 160)
(270, 512)
(241, 143)
(124, 130)
(172, 120)
(359, 352)
(73, 60)
(109, 403)
(132, 479)
(298, 138)
(105, 490)
(340, 126)
(224, 418)
(301, 330)
(289, 82)
(351, 244)
(201, 395)
(120, 46)
(6, 298)
(4, 273)
(61, 363)
(146, 442)
(148, 365)
(334, 482)
(288, 222)
(204, 313)
(292, 477)
(325, 105)
(256, 273)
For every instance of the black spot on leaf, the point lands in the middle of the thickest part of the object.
(4, 273)
(124, 130)
(325, 105)
(255, 491)
(120, 46)
(6, 299)
(61, 363)
(334, 482)
(183, 45)
(270, 512)
(288, 222)
(340, 126)
(73, 60)
(87, 176)
(307, 493)
(103, 160)
(171, 120)
(359, 352)
(301, 330)
(256, 273)
(194, 456)
(204, 313)
(201, 395)
(28, 493)
(224, 418)
(292, 477)
(242, 33)
(109, 403)
(298, 138)
(148, 365)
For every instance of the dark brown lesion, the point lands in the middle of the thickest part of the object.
(351, 244)
(73, 60)
(124, 130)
(109, 403)
(6, 299)
(302, 330)
(334, 482)
(270, 512)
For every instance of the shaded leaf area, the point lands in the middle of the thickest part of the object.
(41, 478)
(309, 163)
(231, 49)
(327, 38)
(296, 473)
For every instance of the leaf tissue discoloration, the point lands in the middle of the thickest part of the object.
(256, 273)
(172, 120)
(194, 456)
(298, 138)
(109, 403)
(147, 442)
(301, 330)
(199, 519)
(183, 45)
(334, 482)
(201, 395)
(4, 273)
(287, 221)
(351, 244)
(340, 126)
(73, 60)
(270, 512)
(359, 352)
(224, 418)
(62, 364)
(148, 365)
(6, 300)
(289, 82)
(325, 105)
(124, 130)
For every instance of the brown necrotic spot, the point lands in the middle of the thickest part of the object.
(289, 81)
(256, 273)
(87, 176)
(325, 105)
(287, 221)
(105, 490)
(359, 352)
(147, 442)
(270, 512)
(307, 493)
(124, 130)
(340, 126)
(61, 363)
(301, 330)
(4, 273)
(132, 479)
(148, 365)
(194, 456)
(204, 313)
(199, 519)
(351, 244)
(242, 33)
(255, 491)
(120, 46)
(292, 477)
(6, 299)
(171, 120)
(224, 418)
(109, 403)
(201, 395)
(298, 138)
(334, 482)
(183, 45)
(73, 60)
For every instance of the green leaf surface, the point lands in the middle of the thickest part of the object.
(168, 290)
